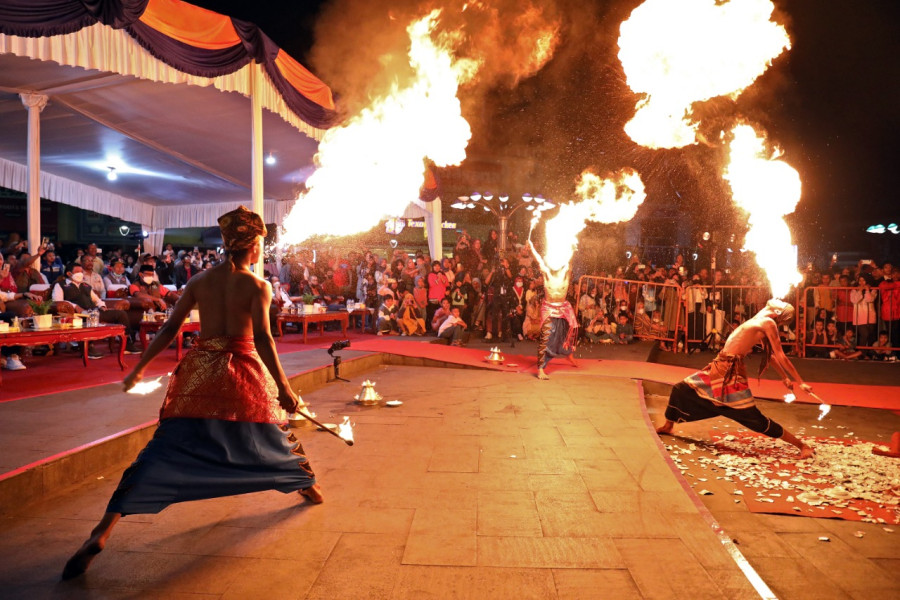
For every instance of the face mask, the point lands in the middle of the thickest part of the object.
(77, 277)
(147, 280)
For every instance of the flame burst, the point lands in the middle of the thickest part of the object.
(145, 387)
(601, 201)
(373, 166)
(680, 52)
(768, 189)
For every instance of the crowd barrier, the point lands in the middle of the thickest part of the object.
(654, 309)
(702, 316)
(866, 311)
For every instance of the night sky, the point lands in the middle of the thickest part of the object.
(832, 103)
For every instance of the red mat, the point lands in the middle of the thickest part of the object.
(65, 371)
(845, 481)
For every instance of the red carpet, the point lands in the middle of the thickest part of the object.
(845, 481)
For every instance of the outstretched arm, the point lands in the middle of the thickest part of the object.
(164, 336)
(780, 361)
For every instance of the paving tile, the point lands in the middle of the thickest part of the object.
(507, 514)
(606, 475)
(666, 569)
(593, 583)
(286, 577)
(839, 562)
(563, 553)
(796, 579)
(443, 522)
(439, 583)
(526, 465)
(456, 457)
(450, 549)
(361, 565)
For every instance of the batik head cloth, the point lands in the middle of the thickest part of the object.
(240, 228)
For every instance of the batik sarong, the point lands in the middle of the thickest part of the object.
(218, 435)
(559, 328)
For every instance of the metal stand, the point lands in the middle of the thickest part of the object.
(337, 369)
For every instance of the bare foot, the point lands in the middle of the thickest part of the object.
(806, 452)
(571, 359)
(542, 376)
(80, 561)
(665, 427)
(313, 494)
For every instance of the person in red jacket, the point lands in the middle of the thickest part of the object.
(889, 290)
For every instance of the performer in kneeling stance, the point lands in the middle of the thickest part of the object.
(219, 431)
(721, 389)
(559, 325)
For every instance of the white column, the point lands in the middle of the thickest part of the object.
(434, 229)
(256, 148)
(35, 103)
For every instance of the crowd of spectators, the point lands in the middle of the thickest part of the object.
(482, 291)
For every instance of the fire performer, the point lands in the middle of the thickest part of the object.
(721, 389)
(219, 431)
(559, 325)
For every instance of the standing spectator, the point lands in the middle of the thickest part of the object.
(822, 296)
(865, 318)
(438, 285)
(92, 253)
(165, 269)
(843, 307)
(497, 303)
(420, 294)
(890, 303)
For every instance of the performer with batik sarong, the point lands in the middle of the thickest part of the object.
(219, 432)
(559, 326)
(721, 389)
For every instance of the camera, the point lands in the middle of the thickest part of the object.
(338, 345)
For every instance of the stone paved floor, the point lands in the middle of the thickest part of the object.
(481, 485)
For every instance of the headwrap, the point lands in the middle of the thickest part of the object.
(240, 228)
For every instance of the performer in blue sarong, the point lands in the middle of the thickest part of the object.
(219, 432)
(559, 326)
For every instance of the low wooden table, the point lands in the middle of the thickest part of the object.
(58, 335)
(154, 326)
(340, 316)
(361, 313)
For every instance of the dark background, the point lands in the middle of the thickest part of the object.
(831, 103)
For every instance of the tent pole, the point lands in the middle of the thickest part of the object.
(256, 149)
(35, 103)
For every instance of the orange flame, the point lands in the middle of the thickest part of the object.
(768, 189)
(679, 53)
(601, 201)
(373, 166)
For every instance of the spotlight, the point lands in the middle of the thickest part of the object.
(705, 236)
(270, 159)
(112, 175)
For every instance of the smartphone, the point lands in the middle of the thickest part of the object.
(45, 241)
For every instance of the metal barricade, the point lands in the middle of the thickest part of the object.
(871, 313)
(653, 309)
(711, 313)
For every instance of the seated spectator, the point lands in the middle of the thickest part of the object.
(165, 268)
(184, 270)
(26, 273)
(452, 328)
(599, 329)
(91, 277)
(420, 294)
(11, 354)
(312, 287)
(409, 321)
(76, 291)
(624, 333)
(52, 267)
(388, 288)
(93, 253)
(116, 276)
(148, 288)
(847, 350)
(831, 333)
(387, 317)
(881, 349)
(816, 339)
(440, 315)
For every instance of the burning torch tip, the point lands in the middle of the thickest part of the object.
(348, 442)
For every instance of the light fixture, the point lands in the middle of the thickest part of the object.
(893, 228)
(470, 205)
(475, 197)
(548, 204)
(504, 198)
(876, 229)
(526, 197)
(145, 234)
(529, 207)
(706, 236)
(488, 197)
(539, 199)
(486, 209)
(112, 175)
(628, 254)
(270, 159)
(459, 205)
(463, 198)
(124, 230)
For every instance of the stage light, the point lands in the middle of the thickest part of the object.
(112, 175)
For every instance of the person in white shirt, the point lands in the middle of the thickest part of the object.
(452, 328)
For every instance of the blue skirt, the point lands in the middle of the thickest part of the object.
(196, 459)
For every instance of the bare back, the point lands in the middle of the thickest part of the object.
(232, 302)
